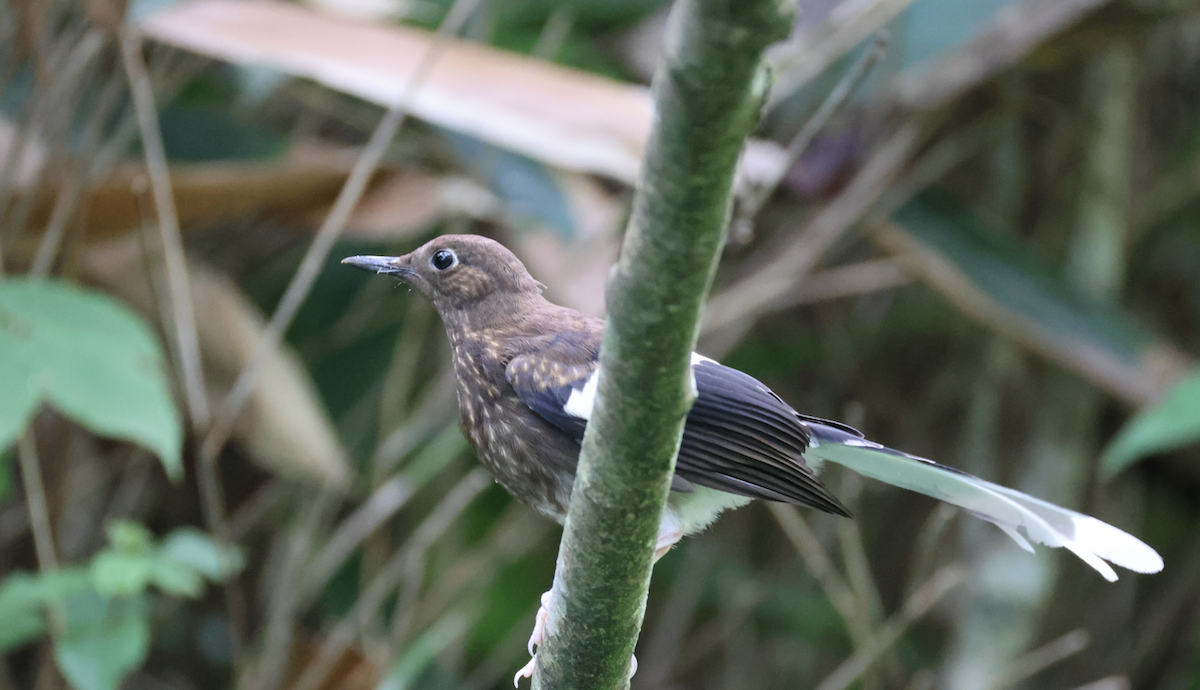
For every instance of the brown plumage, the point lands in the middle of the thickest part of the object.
(527, 372)
(495, 317)
(518, 358)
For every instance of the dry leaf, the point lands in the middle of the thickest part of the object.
(564, 117)
(310, 175)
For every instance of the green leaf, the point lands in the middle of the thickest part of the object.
(1002, 271)
(995, 280)
(1172, 423)
(105, 639)
(22, 590)
(176, 578)
(115, 573)
(24, 596)
(193, 548)
(19, 628)
(130, 537)
(89, 356)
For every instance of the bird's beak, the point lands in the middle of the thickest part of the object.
(383, 265)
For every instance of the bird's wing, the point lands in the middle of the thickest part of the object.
(742, 438)
(1092, 540)
(739, 437)
(560, 392)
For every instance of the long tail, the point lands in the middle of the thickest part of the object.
(1045, 523)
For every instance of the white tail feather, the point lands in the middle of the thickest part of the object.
(1043, 522)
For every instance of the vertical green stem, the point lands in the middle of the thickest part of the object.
(708, 93)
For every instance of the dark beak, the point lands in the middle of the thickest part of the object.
(383, 265)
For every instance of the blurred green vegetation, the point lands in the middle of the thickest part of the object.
(990, 256)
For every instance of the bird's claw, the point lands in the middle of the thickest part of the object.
(525, 672)
(535, 639)
(539, 623)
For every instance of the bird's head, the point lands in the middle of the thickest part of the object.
(457, 272)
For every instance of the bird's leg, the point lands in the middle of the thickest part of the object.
(535, 638)
(669, 534)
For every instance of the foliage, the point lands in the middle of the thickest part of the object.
(1169, 425)
(90, 357)
(99, 614)
(926, 270)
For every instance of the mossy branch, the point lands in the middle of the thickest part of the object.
(708, 93)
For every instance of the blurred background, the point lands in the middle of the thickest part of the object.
(970, 228)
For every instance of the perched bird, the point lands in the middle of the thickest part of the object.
(527, 373)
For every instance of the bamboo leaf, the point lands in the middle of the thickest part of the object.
(1171, 424)
(993, 280)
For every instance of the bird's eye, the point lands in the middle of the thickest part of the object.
(443, 259)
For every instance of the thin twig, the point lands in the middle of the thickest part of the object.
(1107, 683)
(738, 305)
(833, 103)
(663, 644)
(914, 608)
(494, 667)
(35, 500)
(817, 562)
(78, 180)
(515, 534)
(429, 421)
(925, 548)
(850, 280)
(190, 365)
(862, 582)
(335, 222)
(284, 599)
(1042, 658)
(404, 369)
(811, 52)
(187, 341)
(397, 567)
(426, 534)
(58, 109)
(33, 120)
(254, 510)
(554, 32)
(384, 502)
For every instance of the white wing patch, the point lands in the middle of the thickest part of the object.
(581, 402)
(1045, 523)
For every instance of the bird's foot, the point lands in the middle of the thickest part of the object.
(669, 534)
(539, 623)
(539, 630)
(525, 672)
(535, 639)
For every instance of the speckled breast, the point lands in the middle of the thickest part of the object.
(530, 458)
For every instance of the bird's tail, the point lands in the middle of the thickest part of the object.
(1045, 523)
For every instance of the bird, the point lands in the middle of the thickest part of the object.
(527, 372)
